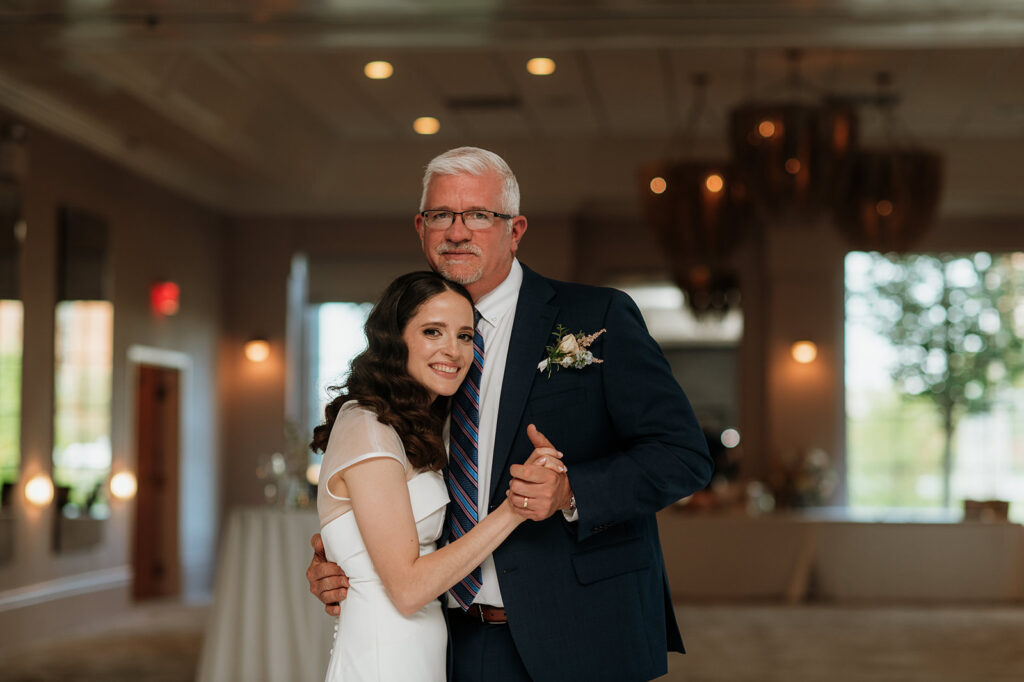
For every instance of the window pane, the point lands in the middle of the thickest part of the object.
(672, 322)
(81, 449)
(935, 380)
(339, 337)
(10, 389)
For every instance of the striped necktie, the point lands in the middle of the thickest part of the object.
(461, 474)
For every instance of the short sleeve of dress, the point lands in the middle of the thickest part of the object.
(355, 437)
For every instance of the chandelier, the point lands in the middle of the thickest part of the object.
(699, 210)
(892, 193)
(795, 160)
(794, 148)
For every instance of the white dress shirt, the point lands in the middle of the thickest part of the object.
(497, 312)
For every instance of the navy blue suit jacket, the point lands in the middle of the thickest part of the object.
(589, 600)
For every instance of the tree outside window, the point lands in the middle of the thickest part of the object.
(10, 390)
(935, 395)
(83, 343)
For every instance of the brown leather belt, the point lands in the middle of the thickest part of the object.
(486, 614)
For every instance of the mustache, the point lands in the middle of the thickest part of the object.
(447, 247)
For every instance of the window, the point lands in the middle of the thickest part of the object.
(12, 232)
(671, 322)
(81, 450)
(935, 381)
(10, 389)
(337, 337)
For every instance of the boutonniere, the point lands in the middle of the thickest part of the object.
(569, 350)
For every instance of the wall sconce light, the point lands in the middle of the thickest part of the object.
(39, 490)
(257, 349)
(123, 485)
(163, 298)
(804, 352)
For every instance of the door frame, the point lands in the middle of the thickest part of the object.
(164, 359)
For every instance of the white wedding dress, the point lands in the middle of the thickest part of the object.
(373, 641)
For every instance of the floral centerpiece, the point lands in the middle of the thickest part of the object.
(284, 473)
(804, 478)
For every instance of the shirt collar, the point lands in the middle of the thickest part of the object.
(501, 300)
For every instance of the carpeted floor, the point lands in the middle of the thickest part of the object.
(727, 643)
(849, 644)
(153, 643)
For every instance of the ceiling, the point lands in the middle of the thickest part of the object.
(262, 107)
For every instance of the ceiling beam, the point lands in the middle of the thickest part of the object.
(49, 113)
(564, 25)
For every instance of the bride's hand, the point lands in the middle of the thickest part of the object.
(540, 487)
(547, 457)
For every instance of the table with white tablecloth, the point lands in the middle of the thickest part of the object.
(264, 625)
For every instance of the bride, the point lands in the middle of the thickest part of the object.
(382, 497)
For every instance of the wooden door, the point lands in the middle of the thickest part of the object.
(155, 557)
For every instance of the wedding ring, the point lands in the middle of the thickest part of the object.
(526, 501)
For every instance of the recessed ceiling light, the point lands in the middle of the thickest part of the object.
(378, 70)
(541, 66)
(426, 125)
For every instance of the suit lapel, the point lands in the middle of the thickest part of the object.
(531, 333)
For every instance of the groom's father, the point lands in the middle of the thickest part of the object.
(582, 593)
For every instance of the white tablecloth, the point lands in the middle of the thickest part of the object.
(264, 625)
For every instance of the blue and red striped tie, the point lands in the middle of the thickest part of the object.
(461, 475)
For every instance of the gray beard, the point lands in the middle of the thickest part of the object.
(465, 279)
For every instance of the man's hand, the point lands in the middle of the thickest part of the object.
(537, 492)
(327, 581)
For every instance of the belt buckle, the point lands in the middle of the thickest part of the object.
(480, 610)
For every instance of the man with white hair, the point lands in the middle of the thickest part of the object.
(582, 593)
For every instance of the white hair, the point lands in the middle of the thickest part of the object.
(474, 161)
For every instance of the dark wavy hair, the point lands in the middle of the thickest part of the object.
(379, 378)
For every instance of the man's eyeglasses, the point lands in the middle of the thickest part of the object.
(475, 219)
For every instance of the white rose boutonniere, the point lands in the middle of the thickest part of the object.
(569, 350)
